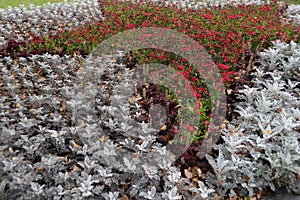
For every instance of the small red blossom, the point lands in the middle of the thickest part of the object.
(189, 128)
(186, 48)
(223, 67)
(161, 57)
(131, 26)
(181, 67)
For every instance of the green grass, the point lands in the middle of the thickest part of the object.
(15, 3)
(292, 1)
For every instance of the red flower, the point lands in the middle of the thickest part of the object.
(223, 67)
(147, 14)
(186, 48)
(175, 131)
(181, 67)
(194, 79)
(198, 105)
(131, 25)
(189, 128)
(161, 57)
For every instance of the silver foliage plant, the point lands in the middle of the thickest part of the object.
(293, 13)
(55, 144)
(18, 23)
(261, 147)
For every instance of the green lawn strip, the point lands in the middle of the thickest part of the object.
(16, 3)
(292, 1)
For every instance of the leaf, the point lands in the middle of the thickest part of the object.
(164, 127)
(188, 174)
(102, 138)
(75, 144)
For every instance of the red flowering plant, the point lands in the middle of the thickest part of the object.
(231, 35)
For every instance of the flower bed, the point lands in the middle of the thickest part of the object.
(47, 152)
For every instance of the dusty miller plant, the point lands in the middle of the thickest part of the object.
(65, 137)
(261, 147)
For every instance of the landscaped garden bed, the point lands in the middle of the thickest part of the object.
(66, 136)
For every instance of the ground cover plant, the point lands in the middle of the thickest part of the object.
(39, 138)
